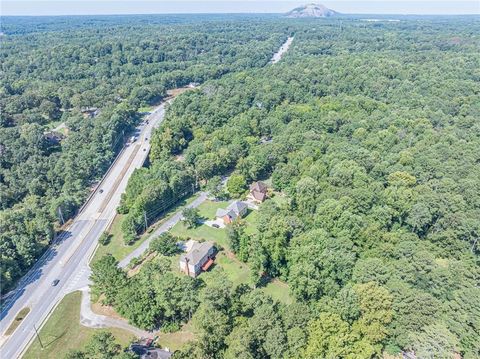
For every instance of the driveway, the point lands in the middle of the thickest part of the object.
(216, 221)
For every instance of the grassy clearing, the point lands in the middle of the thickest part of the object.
(18, 319)
(145, 109)
(175, 341)
(236, 271)
(251, 219)
(63, 332)
(202, 232)
(117, 246)
(279, 291)
(208, 208)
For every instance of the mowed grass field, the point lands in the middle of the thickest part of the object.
(63, 332)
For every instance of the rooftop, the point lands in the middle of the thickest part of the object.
(197, 252)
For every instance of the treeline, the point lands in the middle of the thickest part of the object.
(371, 133)
(151, 192)
(155, 297)
(56, 73)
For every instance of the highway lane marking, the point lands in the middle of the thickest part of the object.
(159, 111)
(94, 222)
(119, 179)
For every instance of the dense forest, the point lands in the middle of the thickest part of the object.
(57, 72)
(371, 131)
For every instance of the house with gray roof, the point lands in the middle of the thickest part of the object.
(199, 258)
(234, 210)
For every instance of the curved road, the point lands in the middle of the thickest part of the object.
(67, 259)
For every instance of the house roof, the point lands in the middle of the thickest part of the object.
(232, 210)
(237, 206)
(260, 196)
(221, 212)
(207, 265)
(197, 253)
(258, 187)
(147, 352)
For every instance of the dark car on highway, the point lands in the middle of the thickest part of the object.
(55, 282)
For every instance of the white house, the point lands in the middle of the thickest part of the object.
(199, 258)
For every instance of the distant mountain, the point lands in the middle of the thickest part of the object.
(311, 10)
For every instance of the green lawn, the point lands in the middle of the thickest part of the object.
(209, 208)
(117, 246)
(251, 220)
(237, 271)
(176, 340)
(279, 291)
(63, 332)
(145, 109)
(202, 232)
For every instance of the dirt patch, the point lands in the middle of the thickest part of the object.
(137, 268)
(178, 91)
(106, 310)
(180, 158)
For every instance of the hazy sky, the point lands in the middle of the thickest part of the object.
(79, 7)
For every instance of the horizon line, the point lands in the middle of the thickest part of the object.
(240, 13)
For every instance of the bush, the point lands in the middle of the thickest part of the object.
(165, 244)
(105, 238)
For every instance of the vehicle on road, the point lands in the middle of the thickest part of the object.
(215, 225)
(101, 190)
(55, 282)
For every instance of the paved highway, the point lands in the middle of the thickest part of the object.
(67, 259)
(281, 51)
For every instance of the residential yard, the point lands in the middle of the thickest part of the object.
(117, 246)
(63, 332)
(176, 340)
(202, 232)
(251, 220)
(208, 208)
(237, 271)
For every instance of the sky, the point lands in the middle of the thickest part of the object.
(103, 7)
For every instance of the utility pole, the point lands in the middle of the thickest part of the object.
(38, 337)
(60, 215)
(196, 178)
